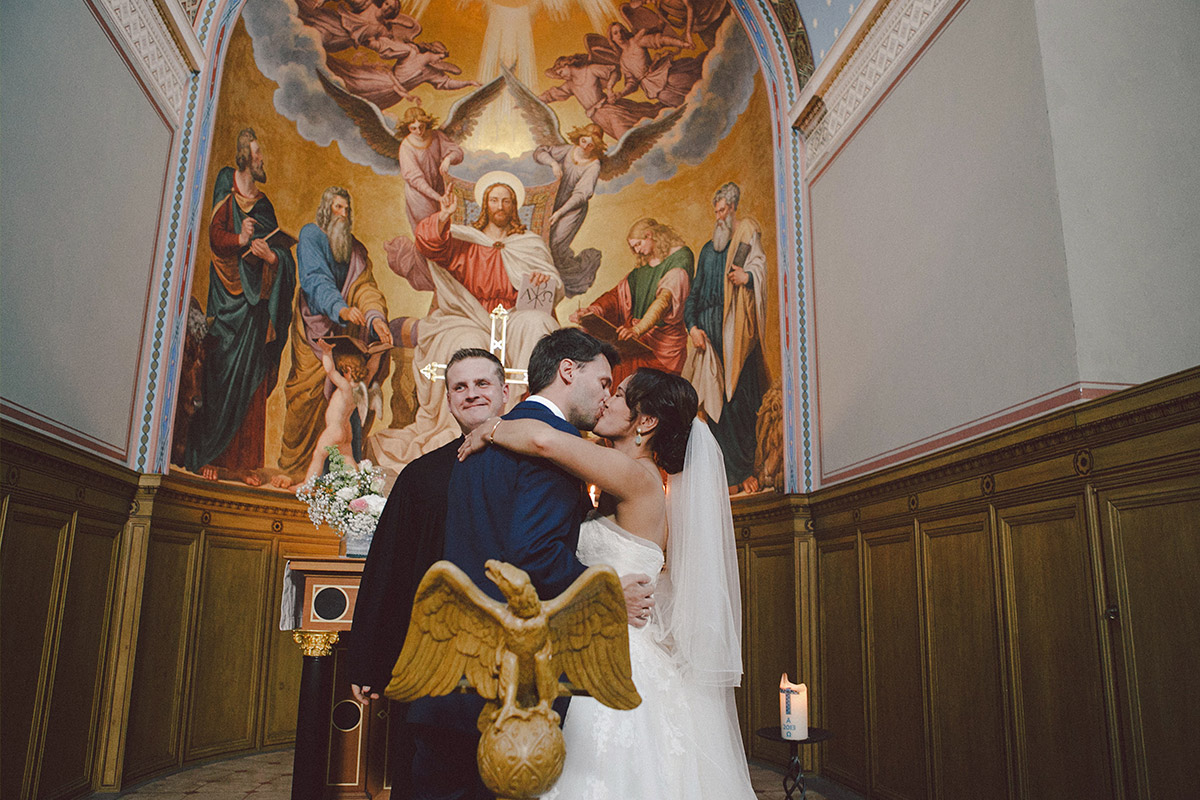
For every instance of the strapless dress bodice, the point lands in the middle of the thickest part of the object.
(602, 541)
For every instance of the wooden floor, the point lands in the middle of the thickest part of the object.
(268, 776)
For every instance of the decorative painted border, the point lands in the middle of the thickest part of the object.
(778, 71)
(156, 53)
(215, 22)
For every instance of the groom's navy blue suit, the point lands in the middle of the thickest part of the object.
(513, 508)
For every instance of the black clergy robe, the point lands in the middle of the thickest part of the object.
(407, 541)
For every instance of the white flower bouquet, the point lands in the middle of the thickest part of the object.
(349, 499)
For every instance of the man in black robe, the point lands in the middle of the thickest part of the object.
(408, 540)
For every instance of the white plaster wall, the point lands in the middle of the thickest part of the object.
(1123, 91)
(81, 169)
(939, 274)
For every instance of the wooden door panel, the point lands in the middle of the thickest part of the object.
(969, 746)
(1056, 651)
(894, 664)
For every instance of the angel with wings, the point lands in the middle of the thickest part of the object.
(579, 161)
(423, 150)
(662, 78)
(413, 63)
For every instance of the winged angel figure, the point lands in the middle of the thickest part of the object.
(580, 161)
(513, 654)
(423, 150)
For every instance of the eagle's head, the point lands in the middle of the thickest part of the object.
(516, 587)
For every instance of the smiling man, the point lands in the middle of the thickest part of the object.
(409, 539)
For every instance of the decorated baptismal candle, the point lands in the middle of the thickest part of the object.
(793, 709)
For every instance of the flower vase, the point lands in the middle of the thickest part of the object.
(357, 544)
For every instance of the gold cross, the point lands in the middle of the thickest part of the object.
(434, 371)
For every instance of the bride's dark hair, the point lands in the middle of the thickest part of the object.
(674, 402)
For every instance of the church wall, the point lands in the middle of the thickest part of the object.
(1123, 97)
(79, 223)
(937, 250)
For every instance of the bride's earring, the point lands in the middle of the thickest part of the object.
(638, 439)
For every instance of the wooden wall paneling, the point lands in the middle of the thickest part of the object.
(281, 684)
(121, 649)
(77, 681)
(895, 664)
(772, 576)
(154, 731)
(222, 714)
(34, 544)
(841, 700)
(1056, 645)
(969, 743)
(807, 621)
(1152, 533)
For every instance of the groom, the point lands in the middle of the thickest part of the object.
(525, 511)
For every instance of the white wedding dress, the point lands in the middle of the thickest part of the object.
(681, 742)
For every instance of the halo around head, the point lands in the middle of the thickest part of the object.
(499, 176)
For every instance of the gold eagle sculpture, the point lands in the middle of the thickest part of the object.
(513, 654)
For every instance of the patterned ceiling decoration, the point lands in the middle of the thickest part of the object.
(797, 38)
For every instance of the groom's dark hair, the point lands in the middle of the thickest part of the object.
(563, 343)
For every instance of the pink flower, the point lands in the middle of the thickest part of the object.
(358, 504)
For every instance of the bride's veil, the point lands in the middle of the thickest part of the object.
(698, 601)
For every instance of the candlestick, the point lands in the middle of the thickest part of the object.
(793, 709)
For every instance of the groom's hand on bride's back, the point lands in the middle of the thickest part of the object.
(639, 599)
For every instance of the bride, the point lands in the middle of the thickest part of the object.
(683, 740)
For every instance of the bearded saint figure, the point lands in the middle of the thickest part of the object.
(725, 314)
(338, 294)
(474, 268)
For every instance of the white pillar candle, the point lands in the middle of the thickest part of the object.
(793, 709)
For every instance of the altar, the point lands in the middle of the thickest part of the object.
(341, 746)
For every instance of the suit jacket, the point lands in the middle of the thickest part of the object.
(514, 508)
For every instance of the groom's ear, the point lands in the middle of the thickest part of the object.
(566, 371)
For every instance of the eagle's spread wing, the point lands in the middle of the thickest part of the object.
(637, 142)
(591, 639)
(541, 119)
(464, 114)
(375, 128)
(455, 629)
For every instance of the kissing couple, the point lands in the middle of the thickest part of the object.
(516, 493)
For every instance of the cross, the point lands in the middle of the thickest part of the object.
(787, 698)
(435, 372)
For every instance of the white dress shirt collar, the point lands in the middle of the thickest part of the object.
(554, 409)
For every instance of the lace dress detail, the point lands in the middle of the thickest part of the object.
(656, 751)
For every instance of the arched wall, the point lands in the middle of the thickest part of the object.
(213, 26)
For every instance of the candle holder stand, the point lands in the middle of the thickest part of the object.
(794, 777)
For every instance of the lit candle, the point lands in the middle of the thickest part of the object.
(793, 709)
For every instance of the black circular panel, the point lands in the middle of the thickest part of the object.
(346, 715)
(330, 603)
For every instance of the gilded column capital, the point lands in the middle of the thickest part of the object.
(315, 643)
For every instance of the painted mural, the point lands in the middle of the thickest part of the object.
(617, 157)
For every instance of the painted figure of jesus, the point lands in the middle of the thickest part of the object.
(474, 269)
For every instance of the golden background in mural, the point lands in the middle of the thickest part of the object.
(528, 36)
